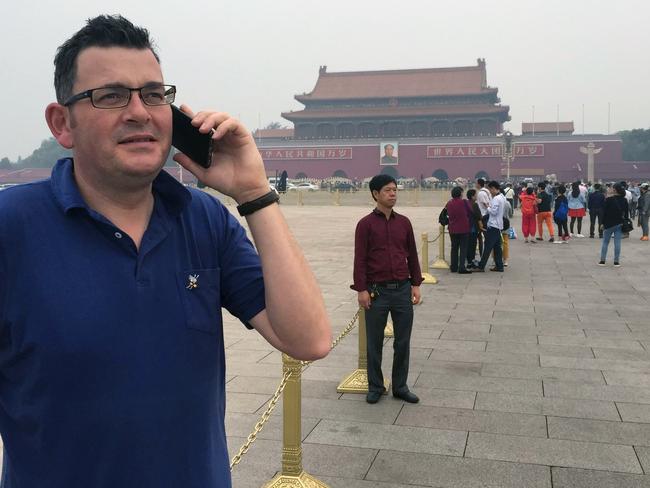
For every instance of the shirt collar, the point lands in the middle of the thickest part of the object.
(66, 191)
(379, 213)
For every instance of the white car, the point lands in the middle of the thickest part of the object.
(305, 186)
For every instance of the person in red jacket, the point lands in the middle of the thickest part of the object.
(528, 201)
(459, 213)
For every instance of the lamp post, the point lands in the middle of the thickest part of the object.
(506, 152)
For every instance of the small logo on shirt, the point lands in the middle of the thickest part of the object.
(192, 282)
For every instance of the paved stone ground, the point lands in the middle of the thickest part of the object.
(537, 377)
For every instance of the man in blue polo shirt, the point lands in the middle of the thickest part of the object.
(113, 276)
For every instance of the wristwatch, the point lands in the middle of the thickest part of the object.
(248, 208)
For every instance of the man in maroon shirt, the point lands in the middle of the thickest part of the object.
(387, 278)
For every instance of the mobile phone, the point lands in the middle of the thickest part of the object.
(188, 140)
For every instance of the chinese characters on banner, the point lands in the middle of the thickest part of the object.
(307, 153)
(482, 151)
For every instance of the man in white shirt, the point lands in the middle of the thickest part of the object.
(482, 196)
(495, 212)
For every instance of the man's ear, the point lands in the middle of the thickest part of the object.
(57, 117)
(374, 194)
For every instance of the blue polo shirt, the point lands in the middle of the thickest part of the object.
(112, 358)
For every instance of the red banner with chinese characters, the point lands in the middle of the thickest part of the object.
(482, 151)
(307, 153)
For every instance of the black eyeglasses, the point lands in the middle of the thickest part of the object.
(120, 96)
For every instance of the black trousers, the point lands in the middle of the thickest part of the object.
(400, 305)
(458, 251)
(473, 239)
(593, 215)
(492, 243)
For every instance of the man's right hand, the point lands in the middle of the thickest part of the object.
(364, 299)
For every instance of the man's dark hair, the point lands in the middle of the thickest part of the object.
(494, 184)
(470, 193)
(619, 188)
(541, 185)
(456, 192)
(598, 187)
(102, 31)
(389, 145)
(379, 181)
(480, 182)
(529, 190)
(561, 189)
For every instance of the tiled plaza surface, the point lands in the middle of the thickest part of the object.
(536, 377)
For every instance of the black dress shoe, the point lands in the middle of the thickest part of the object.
(497, 270)
(464, 271)
(453, 270)
(373, 396)
(407, 396)
(478, 270)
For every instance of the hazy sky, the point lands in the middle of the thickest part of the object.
(250, 58)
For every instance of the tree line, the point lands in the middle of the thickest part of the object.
(636, 147)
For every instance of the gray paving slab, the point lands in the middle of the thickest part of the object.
(634, 412)
(545, 349)
(625, 354)
(594, 342)
(433, 397)
(486, 357)
(625, 433)
(643, 454)
(537, 372)
(381, 436)
(588, 409)
(617, 393)
(599, 364)
(473, 420)
(455, 472)
(553, 452)
(587, 478)
(474, 383)
(628, 379)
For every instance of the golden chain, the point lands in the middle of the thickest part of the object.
(259, 425)
(276, 397)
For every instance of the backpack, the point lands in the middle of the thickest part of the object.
(562, 211)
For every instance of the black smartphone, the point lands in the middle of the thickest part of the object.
(188, 140)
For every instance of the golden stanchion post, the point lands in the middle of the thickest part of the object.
(440, 263)
(357, 381)
(417, 198)
(300, 203)
(337, 198)
(429, 279)
(292, 474)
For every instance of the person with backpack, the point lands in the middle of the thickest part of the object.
(528, 204)
(560, 215)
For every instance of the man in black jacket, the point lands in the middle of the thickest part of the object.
(596, 205)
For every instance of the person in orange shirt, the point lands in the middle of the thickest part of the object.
(544, 214)
(528, 205)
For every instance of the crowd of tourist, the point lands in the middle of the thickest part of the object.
(480, 222)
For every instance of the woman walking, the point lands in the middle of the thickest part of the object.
(577, 207)
(459, 213)
(528, 205)
(616, 210)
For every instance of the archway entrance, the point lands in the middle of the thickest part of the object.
(441, 174)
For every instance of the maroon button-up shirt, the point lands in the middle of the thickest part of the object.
(384, 250)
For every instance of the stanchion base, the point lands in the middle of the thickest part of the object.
(388, 330)
(357, 382)
(429, 279)
(304, 480)
(439, 264)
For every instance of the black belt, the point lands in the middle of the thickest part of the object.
(391, 285)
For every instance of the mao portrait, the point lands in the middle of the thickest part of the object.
(388, 153)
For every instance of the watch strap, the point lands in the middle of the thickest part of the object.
(248, 208)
